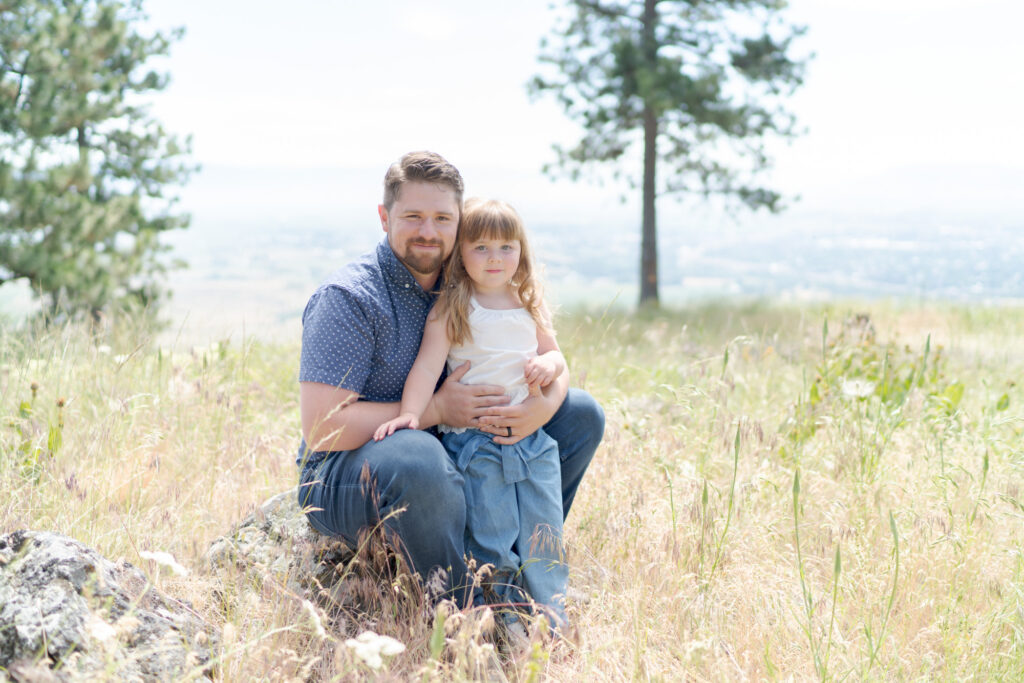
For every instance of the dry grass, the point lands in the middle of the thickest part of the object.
(684, 536)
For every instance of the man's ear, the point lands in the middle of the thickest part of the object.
(382, 211)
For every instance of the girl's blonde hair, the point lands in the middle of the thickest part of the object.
(488, 219)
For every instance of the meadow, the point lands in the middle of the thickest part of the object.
(804, 491)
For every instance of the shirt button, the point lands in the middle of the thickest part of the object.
(407, 285)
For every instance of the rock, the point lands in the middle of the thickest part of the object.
(67, 613)
(276, 547)
(277, 542)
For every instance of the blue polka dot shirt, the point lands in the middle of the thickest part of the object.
(362, 327)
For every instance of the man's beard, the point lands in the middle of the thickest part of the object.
(424, 264)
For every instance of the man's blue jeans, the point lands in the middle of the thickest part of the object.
(514, 513)
(411, 471)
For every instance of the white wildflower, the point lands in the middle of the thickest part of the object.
(208, 351)
(858, 388)
(165, 559)
(369, 647)
(121, 358)
(104, 349)
(688, 469)
(697, 647)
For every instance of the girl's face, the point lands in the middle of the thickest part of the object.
(491, 263)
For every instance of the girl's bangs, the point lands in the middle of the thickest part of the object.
(490, 227)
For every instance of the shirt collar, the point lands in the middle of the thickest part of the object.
(396, 272)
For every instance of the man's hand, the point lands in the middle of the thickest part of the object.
(462, 405)
(511, 424)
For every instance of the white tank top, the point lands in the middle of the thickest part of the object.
(503, 340)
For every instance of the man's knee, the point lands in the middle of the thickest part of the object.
(587, 412)
(579, 424)
(418, 473)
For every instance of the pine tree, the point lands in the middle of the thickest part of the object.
(697, 85)
(83, 167)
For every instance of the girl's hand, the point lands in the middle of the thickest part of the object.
(540, 371)
(403, 421)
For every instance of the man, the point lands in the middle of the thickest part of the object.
(361, 334)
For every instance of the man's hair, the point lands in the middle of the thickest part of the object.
(422, 167)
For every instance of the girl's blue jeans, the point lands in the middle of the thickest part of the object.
(514, 513)
(410, 472)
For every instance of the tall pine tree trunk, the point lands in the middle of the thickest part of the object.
(649, 239)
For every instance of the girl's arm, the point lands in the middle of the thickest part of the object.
(549, 362)
(419, 385)
(509, 424)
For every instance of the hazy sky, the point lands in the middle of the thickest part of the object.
(912, 111)
(907, 103)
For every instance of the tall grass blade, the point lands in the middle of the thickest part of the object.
(732, 496)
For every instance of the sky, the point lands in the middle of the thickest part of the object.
(296, 110)
(905, 103)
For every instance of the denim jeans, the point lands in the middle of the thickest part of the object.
(411, 470)
(514, 513)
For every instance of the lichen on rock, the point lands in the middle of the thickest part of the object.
(66, 609)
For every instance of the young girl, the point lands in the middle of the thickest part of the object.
(491, 313)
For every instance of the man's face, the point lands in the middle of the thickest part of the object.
(421, 226)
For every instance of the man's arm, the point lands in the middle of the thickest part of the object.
(334, 419)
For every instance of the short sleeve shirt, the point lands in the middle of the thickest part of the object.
(361, 329)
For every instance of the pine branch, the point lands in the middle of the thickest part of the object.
(599, 9)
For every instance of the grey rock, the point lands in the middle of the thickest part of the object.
(277, 543)
(276, 548)
(67, 613)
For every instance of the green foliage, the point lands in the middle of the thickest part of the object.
(436, 643)
(858, 373)
(729, 512)
(35, 438)
(699, 84)
(83, 167)
(874, 641)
